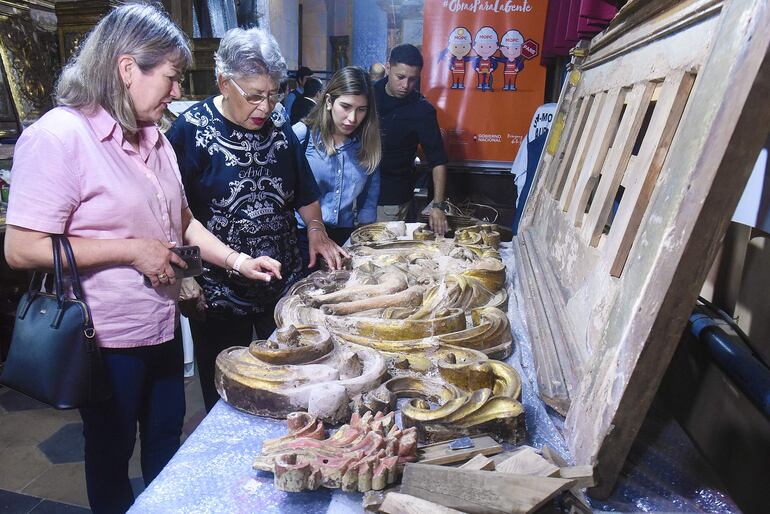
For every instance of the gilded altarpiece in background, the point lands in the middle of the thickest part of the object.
(9, 125)
(75, 20)
(30, 65)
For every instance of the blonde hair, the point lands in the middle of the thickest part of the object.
(91, 78)
(350, 80)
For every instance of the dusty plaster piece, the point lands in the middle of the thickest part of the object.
(299, 368)
(367, 454)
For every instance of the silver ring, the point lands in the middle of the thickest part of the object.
(162, 276)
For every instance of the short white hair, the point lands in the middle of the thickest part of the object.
(249, 52)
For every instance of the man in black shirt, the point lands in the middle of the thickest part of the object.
(302, 74)
(407, 119)
(305, 103)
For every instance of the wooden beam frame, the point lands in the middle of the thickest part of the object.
(655, 136)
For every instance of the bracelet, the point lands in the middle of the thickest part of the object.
(309, 230)
(239, 261)
(228, 256)
(316, 221)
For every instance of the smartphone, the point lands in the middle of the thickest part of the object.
(190, 255)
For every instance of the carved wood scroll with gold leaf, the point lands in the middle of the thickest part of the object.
(421, 320)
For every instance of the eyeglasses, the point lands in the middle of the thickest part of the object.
(272, 98)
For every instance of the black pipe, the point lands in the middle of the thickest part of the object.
(727, 348)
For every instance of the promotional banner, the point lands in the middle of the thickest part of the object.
(482, 73)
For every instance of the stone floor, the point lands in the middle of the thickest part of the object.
(41, 454)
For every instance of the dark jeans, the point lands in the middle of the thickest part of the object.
(148, 388)
(219, 333)
(337, 234)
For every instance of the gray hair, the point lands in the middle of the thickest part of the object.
(91, 78)
(245, 53)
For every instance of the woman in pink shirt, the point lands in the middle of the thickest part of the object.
(97, 169)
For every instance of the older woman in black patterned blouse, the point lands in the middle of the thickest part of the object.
(244, 177)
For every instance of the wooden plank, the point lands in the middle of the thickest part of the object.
(660, 46)
(647, 165)
(637, 102)
(480, 491)
(373, 499)
(637, 316)
(551, 381)
(584, 142)
(636, 26)
(479, 462)
(684, 51)
(571, 351)
(553, 456)
(441, 453)
(573, 503)
(526, 461)
(582, 475)
(577, 125)
(500, 457)
(597, 152)
(565, 125)
(721, 131)
(398, 503)
(628, 177)
(556, 138)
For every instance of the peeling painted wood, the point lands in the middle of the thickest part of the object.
(606, 309)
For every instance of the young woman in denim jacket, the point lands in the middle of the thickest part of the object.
(341, 137)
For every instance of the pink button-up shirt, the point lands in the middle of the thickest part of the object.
(74, 173)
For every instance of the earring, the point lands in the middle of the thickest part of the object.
(128, 85)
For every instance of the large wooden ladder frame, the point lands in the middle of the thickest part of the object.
(655, 136)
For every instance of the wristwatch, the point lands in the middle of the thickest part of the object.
(439, 205)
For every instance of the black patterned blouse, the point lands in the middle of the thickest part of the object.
(244, 186)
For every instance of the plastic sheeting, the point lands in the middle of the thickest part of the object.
(212, 471)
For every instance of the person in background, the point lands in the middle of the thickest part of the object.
(304, 104)
(280, 115)
(376, 72)
(407, 120)
(245, 178)
(302, 74)
(342, 145)
(98, 170)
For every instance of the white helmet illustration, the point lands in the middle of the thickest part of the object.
(460, 35)
(486, 35)
(512, 37)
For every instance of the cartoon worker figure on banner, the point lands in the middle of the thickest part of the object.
(485, 46)
(510, 47)
(459, 46)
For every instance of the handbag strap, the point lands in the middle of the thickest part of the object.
(57, 270)
(77, 289)
(36, 282)
(61, 242)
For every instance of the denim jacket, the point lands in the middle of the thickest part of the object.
(348, 195)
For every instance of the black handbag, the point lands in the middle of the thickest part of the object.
(53, 356)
